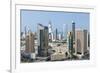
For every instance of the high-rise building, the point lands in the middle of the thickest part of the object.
(59, 36)
(46, 38)
(88, 40)
(81, 42)
(29, 44)
(56, 36)
(50, 31)
(43, 38)
(70, 43)
(73, 30)
(64, 31)
(50, 27)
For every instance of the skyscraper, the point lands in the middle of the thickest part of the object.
(50, 31)
(43, 38)
(46, 38)
(30, 42)
(50, 27)
(60, 36)
(56, 36)
(70, 44)
(73, 30)
(81, 42)
(64, 31)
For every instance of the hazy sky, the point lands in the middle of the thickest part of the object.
(31, 18)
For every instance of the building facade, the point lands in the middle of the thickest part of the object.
(65, 31)
(30, 43)
(70, 44)
(43, 39)
(81, 42)
(50, 30)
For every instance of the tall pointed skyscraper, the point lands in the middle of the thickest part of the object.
(50, 27)
(73, 30)
(50, 31)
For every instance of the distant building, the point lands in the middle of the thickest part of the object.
(73, 30)
(59, 36)
(22, 41)
(64, 31)
(88, 40)
(50, 31)
(56, 35)
(43, 38)
(81, 42)
(29, 40)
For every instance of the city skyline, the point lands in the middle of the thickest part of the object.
(30, 19)
(53, 36)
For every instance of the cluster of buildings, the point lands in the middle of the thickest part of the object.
(46, 45)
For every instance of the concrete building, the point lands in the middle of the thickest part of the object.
(29, 40)
(81, 42)
(43, 38)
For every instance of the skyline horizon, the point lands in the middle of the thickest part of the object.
(30, 19)
(59, 32)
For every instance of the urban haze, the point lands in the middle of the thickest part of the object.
(54, 36)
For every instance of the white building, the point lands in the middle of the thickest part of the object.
(64, 31)
(50, 31)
